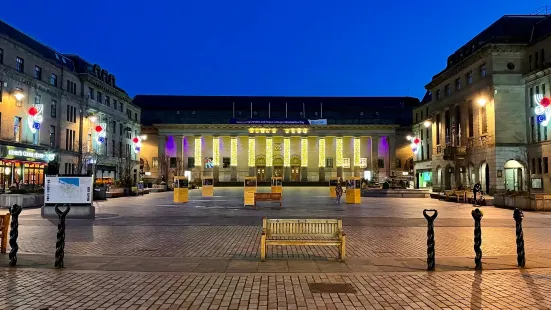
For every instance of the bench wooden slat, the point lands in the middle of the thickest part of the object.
(276, 197)
(4, 226)
(302, 232)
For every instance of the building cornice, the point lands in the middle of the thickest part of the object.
(538, 73)
(101, 85)
(30, 81)
(232, 126)
(490, 49)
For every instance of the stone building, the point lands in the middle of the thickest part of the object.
(46, 112)
(301, 139)
(476, 110)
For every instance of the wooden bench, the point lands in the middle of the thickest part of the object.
(324, 232)
(268, 197)
(4, 228)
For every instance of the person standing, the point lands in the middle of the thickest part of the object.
(477, 188)
(338, 190)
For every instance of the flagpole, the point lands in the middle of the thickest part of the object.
(285, 109)
(269, 110)
(251, 109)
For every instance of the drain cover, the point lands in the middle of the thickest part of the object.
(331, 288)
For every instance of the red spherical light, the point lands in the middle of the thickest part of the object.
(99, 128)
(33, 111)
(545, 102)
(135, 140)
(416, 141)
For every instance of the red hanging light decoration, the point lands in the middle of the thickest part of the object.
(33, 111)
(416, 141)
(545, 102)
(99, 129)
(135, 140)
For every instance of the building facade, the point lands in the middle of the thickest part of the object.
(301, 139)
(46, 112)
(476, 113)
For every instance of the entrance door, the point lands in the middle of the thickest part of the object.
(295, 173)
(260, 173)
(511, 179)
(278, 171)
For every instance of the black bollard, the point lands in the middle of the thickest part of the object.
(477, 216)
(521, 259)
(60, 243)
(15, 210)
(431, 261)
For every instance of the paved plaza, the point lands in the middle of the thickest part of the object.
(148, 253)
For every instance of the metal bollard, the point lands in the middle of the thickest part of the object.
(15, 210)
(431, 261)
(518, 216)
(477, 216)
(60, 243)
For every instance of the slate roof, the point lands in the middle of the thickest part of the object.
(158, 109)
(542, 30)
(427, 97)
(509, 29)
(44, 51)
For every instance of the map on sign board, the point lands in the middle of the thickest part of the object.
(68, 190)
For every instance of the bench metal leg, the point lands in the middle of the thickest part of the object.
(263, 248)
(343, 249)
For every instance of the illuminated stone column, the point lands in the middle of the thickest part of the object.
(321, 157)
(161, 154)
(233, 159)
(216, 158)
(269, 158)
(375, 158)
(338, 156)
(304, 159)
(286, 159)
(357, 157)
(392, 155)
(252, 156)
(198, 146)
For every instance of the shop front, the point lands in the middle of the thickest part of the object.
(424, 178)
(22, 166)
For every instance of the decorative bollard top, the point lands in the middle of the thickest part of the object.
(477, 214)
(430, 217)
(518, 215)
(15, 210)
(62, 213)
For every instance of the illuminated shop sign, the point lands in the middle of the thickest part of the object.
(543, 109)
(11, 152)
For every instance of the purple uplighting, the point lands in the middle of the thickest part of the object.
(170, 148)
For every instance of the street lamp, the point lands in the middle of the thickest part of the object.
(18, 94)
(427, 123)
(408, 137)
(93, 118)
(143, 137)
(481, 101)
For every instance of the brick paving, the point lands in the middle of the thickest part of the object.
(40, 289)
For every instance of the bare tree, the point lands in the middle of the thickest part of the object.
(125, 168)
(164, 166)
(89, 160)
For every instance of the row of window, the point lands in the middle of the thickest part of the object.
(536, 60)
(104, 148)
(452, 128)
(468, 78)
(106, 100)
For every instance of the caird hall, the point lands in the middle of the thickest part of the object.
(301, 139)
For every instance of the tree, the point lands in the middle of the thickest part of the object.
(89, 160)
(171, 166)
(125, 169)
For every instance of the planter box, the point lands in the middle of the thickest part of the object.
(24, 200)
(512, 202)
(540, 202)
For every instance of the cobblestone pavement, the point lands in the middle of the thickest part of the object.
(222, 227)
(48, 289)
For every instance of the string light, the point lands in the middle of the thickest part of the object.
(286, 152)
(304, 152)
(252, 148)
(216, 151)
(269, 152)
(198, 146)
(321, 152)
(339, 160)
(357, 159)
(233, 152)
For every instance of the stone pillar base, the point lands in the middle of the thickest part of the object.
(287, 174)
(252, 172)
(339, 172)
(322, 174)
(233, 175)
(304, 174)
(268, 174)
(357, 171)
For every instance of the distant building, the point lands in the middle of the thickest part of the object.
(301, 139)
(47, 103)
(481, 109)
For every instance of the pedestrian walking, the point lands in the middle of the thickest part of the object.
(338, 190)
(477, 188)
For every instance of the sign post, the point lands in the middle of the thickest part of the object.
(353, 190)
(249, 190)
(277, 186)
(208, 187)
(74, 191)
(181, 185)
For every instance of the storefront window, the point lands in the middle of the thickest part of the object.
(425, 179)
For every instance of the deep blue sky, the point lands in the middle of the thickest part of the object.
(276, 48)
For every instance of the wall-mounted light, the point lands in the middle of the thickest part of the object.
(143, 137)
(93, 118)
(408, 137)
(427, 123)
(482, 101)
(18, 94)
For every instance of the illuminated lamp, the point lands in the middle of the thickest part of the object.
(293, 130)
(251, 130)
(93, 118)
(305, 130)
(274, 130)
(299, 130)
(542, 109)
(409, 138)
(545, 102)
(286, 130)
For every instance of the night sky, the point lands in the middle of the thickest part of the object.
(273, 48)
